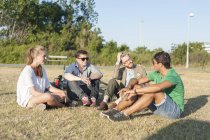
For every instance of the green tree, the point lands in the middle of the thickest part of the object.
(199, 58)
(179, 54)
(123, 47)
(108, 53)
(142, 55)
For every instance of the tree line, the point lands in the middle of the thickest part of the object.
(66, 26)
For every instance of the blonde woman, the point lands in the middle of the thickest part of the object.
(33, 86)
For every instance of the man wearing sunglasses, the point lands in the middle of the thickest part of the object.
(123, 77)
(83, 79)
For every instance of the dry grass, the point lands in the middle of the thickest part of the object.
(85, 123)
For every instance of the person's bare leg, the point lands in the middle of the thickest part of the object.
(44, 98)
(144, 102)
(126, 103)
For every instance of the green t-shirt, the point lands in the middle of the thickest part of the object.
(176, 92)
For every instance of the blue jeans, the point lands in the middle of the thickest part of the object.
(76, 90)
(168, 108)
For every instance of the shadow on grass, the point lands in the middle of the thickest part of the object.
(194, 104)
(8, 93)
(182, 130)
(138, 115)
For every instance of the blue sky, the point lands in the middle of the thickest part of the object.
(153, 23)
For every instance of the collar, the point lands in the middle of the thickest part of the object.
(77, 65)
(134, 66)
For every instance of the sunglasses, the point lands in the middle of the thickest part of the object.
(83, 59)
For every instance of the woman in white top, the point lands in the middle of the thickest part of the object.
(33, 83)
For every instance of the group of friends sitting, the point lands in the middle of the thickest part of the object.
(161, 90)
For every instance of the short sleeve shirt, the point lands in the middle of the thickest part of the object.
(176, 92)
(29, 79)
(129, 75)
(87, 71)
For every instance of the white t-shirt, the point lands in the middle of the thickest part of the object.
(129, 75)
(29, 79)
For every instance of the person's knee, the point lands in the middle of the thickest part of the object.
(133, 81)
(149, 96)
(73, 86)
(159, 94)
(72, 83)
(112, 81)
(49, 97)
(136, 86)
(131, 99)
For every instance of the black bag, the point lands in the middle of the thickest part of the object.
(60, 83)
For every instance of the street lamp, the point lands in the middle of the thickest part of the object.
(188, 40)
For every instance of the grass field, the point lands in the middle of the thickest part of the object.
(85, 123)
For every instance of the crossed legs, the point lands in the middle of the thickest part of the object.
(50, 99)
(134, 105)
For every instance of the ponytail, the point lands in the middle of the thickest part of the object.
(31, 54)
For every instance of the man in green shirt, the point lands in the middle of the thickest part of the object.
(164, 98)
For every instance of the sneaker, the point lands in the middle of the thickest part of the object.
(85, 101)
(41, 107)
(108, 113)
(103, 106)
(113, 105)
(72, 104)
(118, 117)
(93, 102)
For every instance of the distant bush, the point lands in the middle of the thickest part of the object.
(13, 54)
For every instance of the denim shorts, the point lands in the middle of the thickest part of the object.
(167, 108)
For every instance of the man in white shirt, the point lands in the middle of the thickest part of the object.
(122, 77)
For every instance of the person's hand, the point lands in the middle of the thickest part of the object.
(86, 80)
(62, 94)
(129, 94)
(137, 87)
(122, 91)
(119, 57)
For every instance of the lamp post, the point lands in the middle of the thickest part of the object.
(188, 39)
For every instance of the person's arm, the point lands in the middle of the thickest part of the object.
(34, 92)
(57, 91)
(116, 70)
(71, 77)
(68, 73)
(143, 80)
(94, 76)
(95, 73)
(149, 89)
(117, 65)
(134, 82)
(154, 88)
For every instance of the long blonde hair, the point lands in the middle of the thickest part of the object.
(33, 53)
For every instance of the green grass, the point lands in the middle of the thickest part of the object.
(86, 123)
